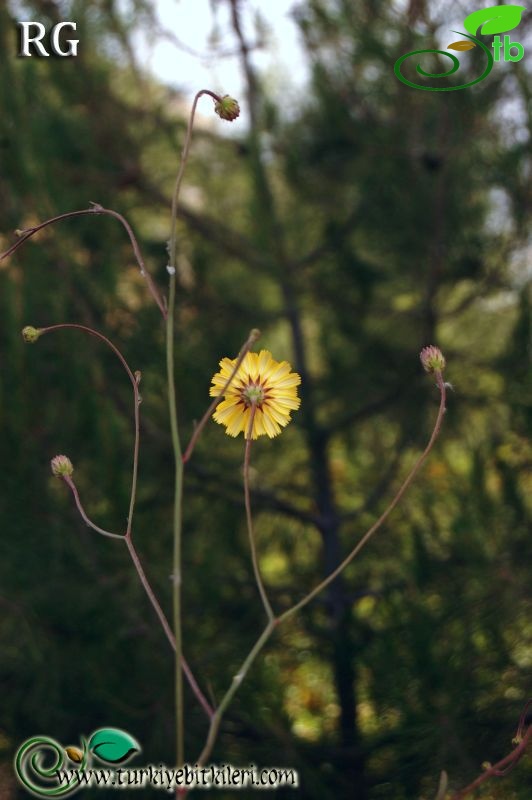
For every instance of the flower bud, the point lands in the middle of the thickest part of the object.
(227, 108)
(432, 359)
(61, 466)
(31, 334)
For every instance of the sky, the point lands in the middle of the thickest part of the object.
(194, 24)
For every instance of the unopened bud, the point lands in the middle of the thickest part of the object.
(227, 108)
(432, 359)
(31, 334)
(74, 754)
(61, 466)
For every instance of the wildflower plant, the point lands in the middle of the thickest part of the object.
(252, 394)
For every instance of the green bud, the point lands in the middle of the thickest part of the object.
(61, 466)
(227, 108)
(31, 334)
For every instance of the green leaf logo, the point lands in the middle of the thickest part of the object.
(497, 19)
(112, 745)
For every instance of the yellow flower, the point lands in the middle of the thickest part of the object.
(261, 383)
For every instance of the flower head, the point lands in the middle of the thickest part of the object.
(227, 108)
(263, 387)
(432, 359)
(31, 334)
(61, 466)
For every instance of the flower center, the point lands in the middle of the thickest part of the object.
(253, 395)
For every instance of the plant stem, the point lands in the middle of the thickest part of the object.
(177, 521)
(500, 768)
(176, 444)
(274, 622)
(166, 626)
(246, 347)
(237, 680)
(386, 513)
(149, 591)
(136, 446)
(172, 250)
(96, 208)
(249, 519)
(135, 380)
(70, 483)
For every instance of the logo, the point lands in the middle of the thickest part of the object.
(42, 764)
(47, 769)
(487, 21)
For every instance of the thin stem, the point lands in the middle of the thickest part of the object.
(96, 208)
(136, 446)
(70, 483)
(180, 173)
(166, 627)
(237, 680)
(375, 527)
(135, 380)
(149, 591)
(274, 622)
(177, 520)
(246, 347)
(500, 768)
(176, 444)
(249, 519)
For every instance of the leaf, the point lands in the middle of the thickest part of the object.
(74, 754)
(112, 745)
(497, 19)
(463, 44)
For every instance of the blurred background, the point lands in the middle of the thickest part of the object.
(353, 220)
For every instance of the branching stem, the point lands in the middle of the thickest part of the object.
(96, 208)
(273, 622)
(127, 537)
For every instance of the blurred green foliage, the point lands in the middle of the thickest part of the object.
(359, 224)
